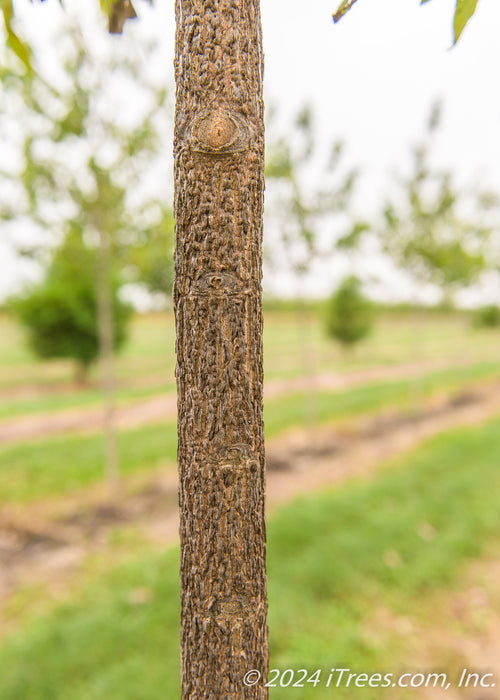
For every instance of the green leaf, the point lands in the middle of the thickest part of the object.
(342, 9)
(463, 12)
(13, 41)
(107, 6)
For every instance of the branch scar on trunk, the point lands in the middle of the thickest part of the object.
(219, 132)
(218, 284)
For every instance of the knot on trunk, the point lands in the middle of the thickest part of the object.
(219, 133)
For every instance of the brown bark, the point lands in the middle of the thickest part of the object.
(219, 166)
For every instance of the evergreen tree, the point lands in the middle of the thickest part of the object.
(60, 313)
(350, 313)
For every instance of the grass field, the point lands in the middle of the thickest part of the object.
(343, 565)
(334, 558)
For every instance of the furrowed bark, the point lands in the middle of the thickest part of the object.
(219, 181)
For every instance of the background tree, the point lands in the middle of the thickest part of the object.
(350, 314)
(219, 183)
(488, 316)
(308, 201)
(60, 313)
(149, 260)
(434, 229)
(82, 156)
(308, 217)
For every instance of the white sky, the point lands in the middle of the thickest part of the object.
(374, 75)
(371, 79)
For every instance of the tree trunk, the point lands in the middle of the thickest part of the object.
(81, 374)
(219, 173)
(308, 362)
(417, 383)
(106, 361)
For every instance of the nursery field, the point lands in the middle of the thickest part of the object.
(383, 516)
(291, 346)
(355, 580)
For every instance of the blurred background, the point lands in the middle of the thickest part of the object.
(381, 349)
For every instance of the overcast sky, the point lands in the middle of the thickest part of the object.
(371, 78)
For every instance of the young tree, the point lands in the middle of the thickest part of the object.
(60, 313)
(219, 169)
(149, 261)
(435, 230)
(487, 316)
(349, 313)
(308, 201)
(307, 220)
(81, 160)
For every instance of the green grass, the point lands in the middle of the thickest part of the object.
(33, 470)
(56, 466)
(328, 574)
(107, 633)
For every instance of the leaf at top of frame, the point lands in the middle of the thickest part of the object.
(13, 41)
(344, 6)
(463, 12)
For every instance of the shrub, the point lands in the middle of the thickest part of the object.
(488, 316)
(350, 315)
(60, 313)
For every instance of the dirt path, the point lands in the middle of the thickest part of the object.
(48, 543)
(164, 407)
